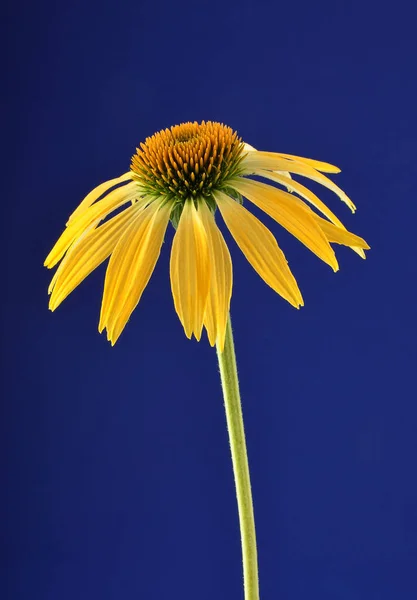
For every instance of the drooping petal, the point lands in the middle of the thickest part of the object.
(336, 235)
(221, 278)
(316, 164)
(62, 264)
(131, 265)
(149, 248)
(96, 193)
(281, 206)
(302, 191)
(262, 160)
(88, 252)
(249, 148)
(308, 195)
(260, 248)
(97, 212)
(190, 270)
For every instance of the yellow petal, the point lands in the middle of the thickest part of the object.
(281, 206)
(142, 268)
(302, 191)
(262, 160)
(96, 193)
(249, 148)
(260, 248)
(315, 201)
(336, 235)
(64, 262)
(97, 212)
(130, 265)
(218, 302)
(190, 270)
(87, 253)
(316, 164)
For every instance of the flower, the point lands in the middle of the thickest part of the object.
(184, 174)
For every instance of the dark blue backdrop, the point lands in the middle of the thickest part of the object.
(116, 479)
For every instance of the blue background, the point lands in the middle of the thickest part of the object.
(115, 470)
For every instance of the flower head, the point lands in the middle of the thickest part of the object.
(184, 174)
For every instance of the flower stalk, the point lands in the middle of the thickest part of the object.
(230, 387)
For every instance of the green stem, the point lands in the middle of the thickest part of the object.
(230, 386)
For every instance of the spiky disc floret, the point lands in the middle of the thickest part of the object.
(190, 160)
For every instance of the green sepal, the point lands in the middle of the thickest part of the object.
(176, 214)
(234, 194)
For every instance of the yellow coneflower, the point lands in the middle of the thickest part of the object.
(184, 174)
